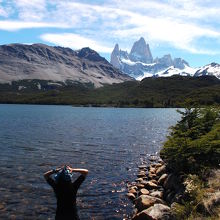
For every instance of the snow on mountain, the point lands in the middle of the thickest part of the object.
(212, 69)
(187, 71)
(139, 62)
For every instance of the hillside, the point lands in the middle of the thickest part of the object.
(56, 64)
(151, 92)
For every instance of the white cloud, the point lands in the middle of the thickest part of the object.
(17, 25)
(75, 41)
(180, 35)
(34, 10)
(177, 23)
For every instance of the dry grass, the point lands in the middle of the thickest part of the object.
(211, 201)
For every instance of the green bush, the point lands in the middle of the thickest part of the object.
(194, 142)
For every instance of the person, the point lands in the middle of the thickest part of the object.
(65, 190)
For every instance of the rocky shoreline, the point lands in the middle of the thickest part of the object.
(155, 191)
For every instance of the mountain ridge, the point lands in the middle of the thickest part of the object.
(58, 64)
(158, 67)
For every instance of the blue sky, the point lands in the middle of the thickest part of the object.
(189, 29)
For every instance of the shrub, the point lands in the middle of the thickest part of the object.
(194, 142)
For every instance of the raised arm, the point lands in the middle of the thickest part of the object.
(84, 172)
(50, 172)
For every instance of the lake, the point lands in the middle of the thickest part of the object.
(110, 142)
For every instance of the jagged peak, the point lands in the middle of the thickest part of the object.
(116, 47)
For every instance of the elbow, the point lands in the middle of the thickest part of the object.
(85, 172)
(45, 176)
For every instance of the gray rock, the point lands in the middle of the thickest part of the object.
(172, 182)
(141, 52)
(131, 196)
(133, 191)
(139, 180)
(158, 194)
(169, 198)
(57, 64)
(161, 170)
(150, 185)
(162, 179)
(159, 212)
(145, 201)
(144, 192)
(142, 166)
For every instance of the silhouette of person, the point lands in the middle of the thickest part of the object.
(65, 190)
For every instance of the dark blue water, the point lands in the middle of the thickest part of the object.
(109, 142)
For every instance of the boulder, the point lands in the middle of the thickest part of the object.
(157, 165)
(139, 180)
(141, 174)
(162, 178)
(153, 158)
(158, 194)
(154, 181)
(171, 182)
(170, 197)
(131, 196)
(152, 170)
(133, 191)
(144, 182)
(159, 212)
(150, 185)
(142, 216)
(156, 212)
(144, 166)
(145, 201)
(134, 187)
(144, 192)
(161, 170)
(152, 175)
(140, 186)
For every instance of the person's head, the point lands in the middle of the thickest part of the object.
(63, 177)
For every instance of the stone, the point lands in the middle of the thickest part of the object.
(142, 216)
(153, 158)
(154, 181)
(141, 174)
(157, 165)
(144, 182)
(144, 192)
(160, 161)
(152, 175)
(139, 180)
(140, 186)
(142, 166)
(161, 170)
(131, 196)
(162, 178)
(152, 170)
(170, 197)
(158, 194)
(133, 191)
(159, 212)
(146, 201)
(150, 185)
(171, 182)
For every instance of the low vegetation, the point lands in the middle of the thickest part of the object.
(193, 151)
(150, 92)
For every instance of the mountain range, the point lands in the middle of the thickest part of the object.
(139, 63)
(57, 65)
